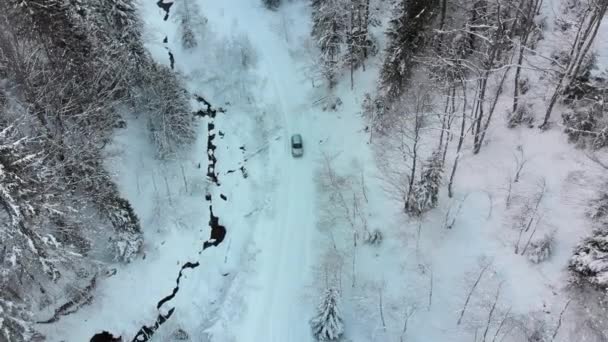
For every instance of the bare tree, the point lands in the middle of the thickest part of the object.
(471, 290)
(408, 119)
(529, 213)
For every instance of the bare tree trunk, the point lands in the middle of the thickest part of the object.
(418, 125)
(581, 46)
(527, 27)
(460, 141)
(491, 112)
(381, 309)
(448, 127)
(408, 314)
(559, 322)
(430, 292)
(444, 120)
(502, 323)
(466, 303)
(491, 313)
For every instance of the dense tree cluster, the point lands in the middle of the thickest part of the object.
(69, 70)
(407, 36)
(589, 261)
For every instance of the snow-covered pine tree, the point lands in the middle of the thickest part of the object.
(272, 4)
(431, 178)
(590, 260)
(425, 193)
(406, 37)
(327, 324)
(329, 30)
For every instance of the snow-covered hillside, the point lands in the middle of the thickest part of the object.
(466, 270)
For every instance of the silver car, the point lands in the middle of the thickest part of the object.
(297, 149)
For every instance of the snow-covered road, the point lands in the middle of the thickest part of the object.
(273, 295)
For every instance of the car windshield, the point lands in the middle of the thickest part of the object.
(297, 145)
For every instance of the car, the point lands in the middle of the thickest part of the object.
(297, 148)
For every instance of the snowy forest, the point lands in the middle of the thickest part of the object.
(69, 71)
(453, 185)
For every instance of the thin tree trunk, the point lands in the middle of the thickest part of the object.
(491, 313)
(443, 120)
(559, 322)
(582, 44)
(381, 310)
(449, 125)
(466, 303)
(414, 158)
(460, 141)
(491, 112)
(528, 25)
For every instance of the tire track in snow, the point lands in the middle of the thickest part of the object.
(275, 312)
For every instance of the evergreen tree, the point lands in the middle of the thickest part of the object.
(327, 325)
(425, 193)
(406, 37)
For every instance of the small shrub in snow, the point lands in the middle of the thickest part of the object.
(523, 115)
(590, 260)
(373, 238)
(332, 103)
(180, 335)
(327, 325)
(537, 331)
(540, 250)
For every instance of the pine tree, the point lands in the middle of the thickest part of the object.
(406, 37)
(327, 325)
(425, 193)
(272, 4)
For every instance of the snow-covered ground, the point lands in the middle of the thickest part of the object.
(262, 282)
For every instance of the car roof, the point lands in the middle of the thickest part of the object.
(296, 138)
